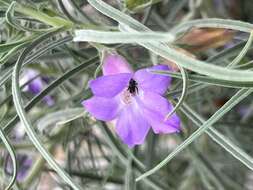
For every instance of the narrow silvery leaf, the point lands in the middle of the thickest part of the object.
(121, 37)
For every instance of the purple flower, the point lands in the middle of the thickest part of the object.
(36, 84)
(24, 164)
(24, 160)
(133, 99)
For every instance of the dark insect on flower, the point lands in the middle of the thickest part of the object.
(133, 86)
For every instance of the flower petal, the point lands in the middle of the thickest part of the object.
(131, 126)
(110, 85)
(114, 63)
(35, 86)
(153, 82)
(105, 109)
(155, 108)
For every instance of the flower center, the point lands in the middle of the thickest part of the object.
(132, 87)
(131, 91)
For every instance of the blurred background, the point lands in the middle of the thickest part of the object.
(54, 81)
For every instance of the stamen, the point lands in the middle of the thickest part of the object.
(127, 97)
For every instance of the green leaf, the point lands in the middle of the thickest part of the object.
(51, 87)
(207, 80)
(131, 4)
(121, 37)
(214, 23)
(245, 49)
(139, 5)
(6, 74)
(59, 118)
(129, 24)
(24, 118)
(239, 96)
(13, 158)
(219, 138)
(8, 46)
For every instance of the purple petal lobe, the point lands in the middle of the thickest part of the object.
(153, 82)
(105, 109)
(131, 126)
(35, 86)
(155, 108)
(110, 85)
(115, 64)
(49, 100)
